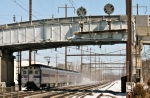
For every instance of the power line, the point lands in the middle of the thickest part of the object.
(43, 7)
(32, 9)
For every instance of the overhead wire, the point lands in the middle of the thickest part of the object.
(60, 2)
(28, 12)
(7, 7)
(59, 28)
(43, 7)
(22, 7)
(32, 9)
(39, 20)
(43, 55)
(5, 18)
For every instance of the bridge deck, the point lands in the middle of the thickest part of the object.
(47, 45)
(53, 33)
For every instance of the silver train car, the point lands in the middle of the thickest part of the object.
(37, 76)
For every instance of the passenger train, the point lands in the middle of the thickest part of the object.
(38, 76)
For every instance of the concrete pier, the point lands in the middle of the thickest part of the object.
(7, 68)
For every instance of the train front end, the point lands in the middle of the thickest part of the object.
(31, 77)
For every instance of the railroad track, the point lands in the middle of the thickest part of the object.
(75, 91)
(79, 91)
(29, 93)
(101, 94)
(78, 87)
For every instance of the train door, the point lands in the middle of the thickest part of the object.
(31, 76)
(24, 76)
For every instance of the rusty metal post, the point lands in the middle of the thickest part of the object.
(30, 10)
(126, 7)
(127, 45)
(129, 42)
(30, 19)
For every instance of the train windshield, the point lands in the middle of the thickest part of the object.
(30, 72)
(36, 72)
(24, 72)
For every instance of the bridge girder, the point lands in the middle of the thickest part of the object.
(53, 33)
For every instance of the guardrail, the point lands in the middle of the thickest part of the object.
(8, 92)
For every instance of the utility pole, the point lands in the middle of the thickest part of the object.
(95, 66)
(104, 72)
(81, 60)
(81, 26)
(127, 61)
(66, 9)
(30, 19)
(19, 78)
(90, 65)
(65, 58)
(129, 41)
(20, 72)
(99, 69)
(57, 70)
(137, 8)
(66, 17)
(56, 61)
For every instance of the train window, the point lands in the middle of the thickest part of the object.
(24, 72)
(30, 72)
(36, 72)
(45, 75)
(35, 67)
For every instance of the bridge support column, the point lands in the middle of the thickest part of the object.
(137, 62)
(7, 68)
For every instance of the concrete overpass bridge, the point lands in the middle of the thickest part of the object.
(59, 32)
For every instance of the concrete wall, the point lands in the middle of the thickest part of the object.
(142, 20)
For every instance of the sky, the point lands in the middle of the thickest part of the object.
(43, 9)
